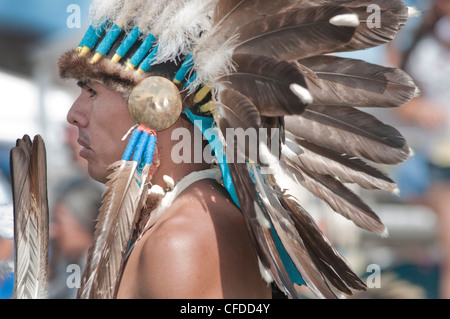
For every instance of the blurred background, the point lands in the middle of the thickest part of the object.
(33, 34)
(412, 261)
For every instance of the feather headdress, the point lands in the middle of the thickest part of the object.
(31, 223)
(252, 65)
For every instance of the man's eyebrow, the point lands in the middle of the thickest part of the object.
(83, 84)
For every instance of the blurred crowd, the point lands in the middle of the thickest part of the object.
(425, 178)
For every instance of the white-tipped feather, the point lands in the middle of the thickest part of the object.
(320, 163)
(345, 20)
(302, 93)
(265, 274)
(262, 220)
(285, 182)
(417, 92)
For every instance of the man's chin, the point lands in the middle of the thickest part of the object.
(100, 175)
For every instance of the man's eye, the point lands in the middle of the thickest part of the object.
(91, 92)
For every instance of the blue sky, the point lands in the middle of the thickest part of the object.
(42, 16)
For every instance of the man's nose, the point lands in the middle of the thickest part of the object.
(77, 114)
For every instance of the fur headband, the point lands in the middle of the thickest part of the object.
(112, 75)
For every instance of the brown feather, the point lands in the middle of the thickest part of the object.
(290, 238)
(229, 15)
(350, 131)
(392, 17)
(340, 198)
(261, 237)
(330, 264)
(348, 82)
(295, 34)
(232, 14)
(266, 82)
(140, 221)
(326, 258)
(236, 106)
(347, 169)
(238, 110)
(123, 199)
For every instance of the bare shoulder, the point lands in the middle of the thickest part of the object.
(201, 249)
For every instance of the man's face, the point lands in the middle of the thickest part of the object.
(102, 118)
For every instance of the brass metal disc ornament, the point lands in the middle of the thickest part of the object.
(155, 102)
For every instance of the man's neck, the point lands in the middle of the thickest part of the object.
(167, 165)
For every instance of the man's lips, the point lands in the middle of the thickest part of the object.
(83, 143)
(86, 149)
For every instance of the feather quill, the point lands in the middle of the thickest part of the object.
(123, 199)
(31, 223)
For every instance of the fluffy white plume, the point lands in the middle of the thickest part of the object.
(213, 59)
(153, 10)
(130, 12)
(180, 26)
(102, 11)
